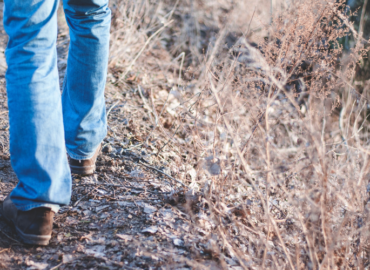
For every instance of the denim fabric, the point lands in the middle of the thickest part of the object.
(44, 125)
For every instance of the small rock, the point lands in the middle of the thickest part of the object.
(87, 212)
(108, 149)
(125, 122)
(212, 165)
(178, 242)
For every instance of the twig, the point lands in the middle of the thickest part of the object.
(253, 130)
(133, 147)
(114, 105)
(5, 249)
(10, 237)
(348, 24)
(57, 266)
(160, 150)
(78, 201)
(147, 105)
(173, 10)
(271, 12)
(109, 185)
(153, 168)
(250, 22)
(362, 21)
(143, 48)
(125, 186)
(149, 39)
(182, 55)
(157, 117)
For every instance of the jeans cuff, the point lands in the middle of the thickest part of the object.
(54, 207)
(77, 157)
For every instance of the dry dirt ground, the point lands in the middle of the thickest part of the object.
(130, 215)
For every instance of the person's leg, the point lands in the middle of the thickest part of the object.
(37, 145)
(83, 92)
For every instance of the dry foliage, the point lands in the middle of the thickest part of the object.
(264, 120)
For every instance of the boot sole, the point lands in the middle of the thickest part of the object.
(86, 170)
(30, 239)
(82, 170)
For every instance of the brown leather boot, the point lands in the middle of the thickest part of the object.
(84, 167)
(34, 226)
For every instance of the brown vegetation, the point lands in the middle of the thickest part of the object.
(268, 122)
(243, 128)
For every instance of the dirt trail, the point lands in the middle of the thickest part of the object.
(124, 216)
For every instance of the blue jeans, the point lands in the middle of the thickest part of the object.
(44, 124)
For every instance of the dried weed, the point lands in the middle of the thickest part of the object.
(263, 120)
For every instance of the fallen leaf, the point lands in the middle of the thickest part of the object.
(148, 209)
(131, 79)
(35, 265)
(100, 241)
(125, 237)
(126, 204)
(71, 221)
(101, 208)
(96, 251)
(86, 212)
(60, 237)
(152, 230)
(67, 258)
(87, 237)
(101, 191)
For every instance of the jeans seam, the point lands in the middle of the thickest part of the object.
(66, 92)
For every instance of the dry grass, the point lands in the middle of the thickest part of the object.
(266, 121)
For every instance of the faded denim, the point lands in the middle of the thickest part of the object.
(43, 124)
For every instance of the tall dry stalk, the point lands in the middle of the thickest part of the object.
(253, 124)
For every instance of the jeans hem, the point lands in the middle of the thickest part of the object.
(54, 207)
(77, 157)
